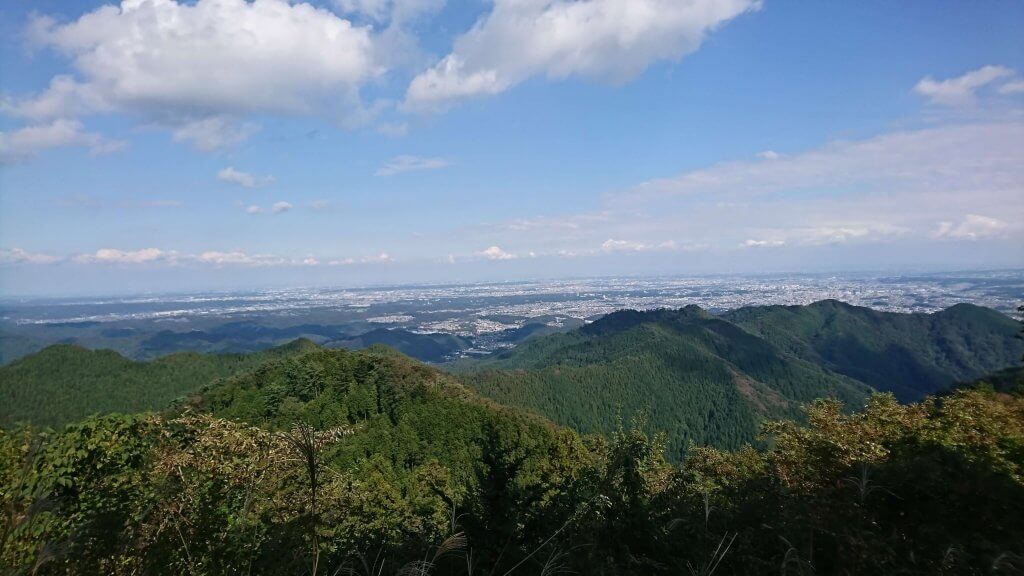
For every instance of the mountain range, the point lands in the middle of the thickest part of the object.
(713, 379)
(698, 377)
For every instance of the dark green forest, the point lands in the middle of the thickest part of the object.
(699, 378)
(715, 450)
(713, 379)
(65, 383)
(911, 355)
(335, 462)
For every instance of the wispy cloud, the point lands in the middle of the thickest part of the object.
(276, 208)
(23, 144)
(892, 187)
(381, 258)
(401, 164)
(240, 258)
(243, 179)
(1015, 87)
(19, 256)
(751, 243)
(213, 133)
(960, 91)
(973, 227)
(115, 256)
(156, 256)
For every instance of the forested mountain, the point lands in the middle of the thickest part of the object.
(367, 462)
(433, 347)
(64, 383)
(1005, 381)
(712, 380)
(911, 355)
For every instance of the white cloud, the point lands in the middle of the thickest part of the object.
(762, 243)
(769, 155)
(200, 66)
(972, 227)
(611, 245)
(614, 40)
(320, 205)
(941, 158)
(381, 258)
(243, 179)
(115, 256)
(214, 133)
(389, 10)
(496, 253)
(240, 258)
(156, 256)
(64, 98)
(1015, 87)
(19, 256)
(889, 188)
(960, 91)
(25, 143)
(277, 208)
(401, 164)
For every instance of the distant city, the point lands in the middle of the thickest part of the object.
(485, 316)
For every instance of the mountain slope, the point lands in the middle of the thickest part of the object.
(911, 355)
(713, 379)
(697, 377)
(64, 383)
(372, 451)
(434, 347)
(1005, 381)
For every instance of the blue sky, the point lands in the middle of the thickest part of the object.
(158, 145)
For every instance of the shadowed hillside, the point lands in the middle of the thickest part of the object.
(712, 380)
(911, 355)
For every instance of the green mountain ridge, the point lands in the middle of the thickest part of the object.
(64, 383)
(910, 355)
(699, 377)
(433, 347)
(321, 461)
(713, 379)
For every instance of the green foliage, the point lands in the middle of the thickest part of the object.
(434, 347)
(911, 355)
(698, 378)
(399, 458)
(62, 383)
(1008, 381)
(333, 462)
(713, 380)
(931, 488)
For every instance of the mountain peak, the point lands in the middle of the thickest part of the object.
(623, 320)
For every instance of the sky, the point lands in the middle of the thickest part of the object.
(162, 145)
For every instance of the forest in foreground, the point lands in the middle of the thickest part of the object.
(336, 462)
